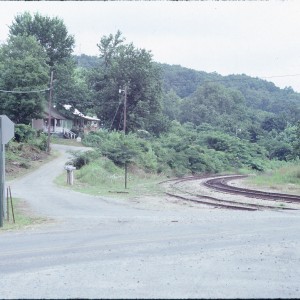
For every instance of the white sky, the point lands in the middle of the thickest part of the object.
(257, 38)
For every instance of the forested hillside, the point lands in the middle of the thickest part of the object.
(250, 108)
(175, 119)
(259, 98)
(222, 113)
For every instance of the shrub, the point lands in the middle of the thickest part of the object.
(182, 150)
(81, 159)
(24, 133)
(40, 141)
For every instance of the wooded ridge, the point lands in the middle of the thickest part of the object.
(176, 118)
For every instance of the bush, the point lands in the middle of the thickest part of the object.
(24, 133)
(92, 139)
(182, 150)
(81, 159)
(40, 141)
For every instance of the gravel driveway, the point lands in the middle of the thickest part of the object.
(114, 248)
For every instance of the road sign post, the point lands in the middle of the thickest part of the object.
(7, 132)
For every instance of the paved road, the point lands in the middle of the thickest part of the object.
(104, 248)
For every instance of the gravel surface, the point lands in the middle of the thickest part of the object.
(197, 187)
(97, 247)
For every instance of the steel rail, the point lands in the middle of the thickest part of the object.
(216, 202)
(221, 184)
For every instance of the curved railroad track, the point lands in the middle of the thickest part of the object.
(220, 184)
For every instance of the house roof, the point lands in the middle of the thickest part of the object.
(78, 113)
(54, 114)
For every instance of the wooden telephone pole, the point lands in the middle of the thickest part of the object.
(49, 112)
(124, 126)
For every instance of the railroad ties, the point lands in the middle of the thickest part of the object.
(221, 184)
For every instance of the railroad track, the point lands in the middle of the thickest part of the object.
(214, 202)
(185, 195)
(221, 184)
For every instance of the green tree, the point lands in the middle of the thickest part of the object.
(123, 64)
(171, 105)
(86, 61)
(71, 87)
(109, 46)
(115, 145)
(51, 33)
(23, 68)
(277, 123)
(216, 105)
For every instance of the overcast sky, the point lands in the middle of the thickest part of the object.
(257, 38)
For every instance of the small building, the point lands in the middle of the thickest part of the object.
(63, 126)
(83, 123)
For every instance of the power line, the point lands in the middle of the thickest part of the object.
(115, 115)
(233, 77)
(276, 76)
(24, 92)
(248, 76)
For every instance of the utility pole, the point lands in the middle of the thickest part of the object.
(124, 126)
(49, 112)
(125, 109)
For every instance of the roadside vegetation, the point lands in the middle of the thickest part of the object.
(178, 121)
(26, 151)
(283, 177)
(23, 154)
(184, 150)
(22, 216)
(101, 177)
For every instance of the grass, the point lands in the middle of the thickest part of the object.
(69, 142)
(285, 178)
(102, 177)
(23, 218)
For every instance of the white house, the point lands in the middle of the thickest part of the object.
(82, 122)
(62, 125)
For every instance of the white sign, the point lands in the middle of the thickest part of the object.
(7, 129)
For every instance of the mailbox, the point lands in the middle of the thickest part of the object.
(70, 174)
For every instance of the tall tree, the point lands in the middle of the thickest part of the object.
(51, 33)
(124, 65)
(109, 46)
(23, 68)
(53, 36)
(71, 88)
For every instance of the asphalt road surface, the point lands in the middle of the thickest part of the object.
(112, 248)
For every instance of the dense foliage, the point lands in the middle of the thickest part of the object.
(51, 33)
(183, 149)
(23, 67)
(124, 67)
(178, 120)
(53, 37)
(25, 134)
